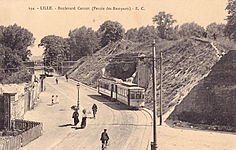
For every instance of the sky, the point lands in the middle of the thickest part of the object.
(59, 22)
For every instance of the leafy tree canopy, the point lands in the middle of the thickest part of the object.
(147, 33)
(215, 30)
(131, 34)
(17, 39)
(142, 34)
(230, 28)
(191, 29)
(14, 43)
(111, 32)
(56, 49)
(164, 22)
(83, 41)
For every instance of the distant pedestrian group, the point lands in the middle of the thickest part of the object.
(55, 99)
(75, 115)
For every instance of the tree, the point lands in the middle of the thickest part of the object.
(215, 30)
(131, 34)
(191, 29)
(83, 42)
(56, 49)
(147, 33)
(18, 39)
(110, 32)
(230, 28)
(142, 34)
(9, 61)
(14, 43)
(164, 22)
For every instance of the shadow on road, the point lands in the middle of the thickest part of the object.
(65, 125)
(77, 128)
(112, 104)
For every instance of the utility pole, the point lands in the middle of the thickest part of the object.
(154, 143)
(138, 71)
(160, 87)
(78, 86)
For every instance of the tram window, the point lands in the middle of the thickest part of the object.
(106, 86)
(138, 96)
(132, 96)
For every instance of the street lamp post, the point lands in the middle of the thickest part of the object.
(154, 143)
(78, 86)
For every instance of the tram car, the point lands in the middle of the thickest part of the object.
(127, 93)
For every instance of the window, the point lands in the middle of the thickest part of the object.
(126, 92)
(106, 86)
(132, 96)
(138, 95)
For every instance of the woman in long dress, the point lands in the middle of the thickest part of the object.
(76, 117)
(84, 117)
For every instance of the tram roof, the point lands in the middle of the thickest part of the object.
(130, 84)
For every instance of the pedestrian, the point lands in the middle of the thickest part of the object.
(84, 117)
(94, 109)
(66, 77)
(52, 99)
(56, 99)
(104, 138)
(56, 81)
(76, 116)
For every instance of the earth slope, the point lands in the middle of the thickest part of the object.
(213, 101)
(185, 63)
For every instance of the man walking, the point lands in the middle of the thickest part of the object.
(104, 138)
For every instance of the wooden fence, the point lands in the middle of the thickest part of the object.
(27, 132)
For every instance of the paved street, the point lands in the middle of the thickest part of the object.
(128, 129)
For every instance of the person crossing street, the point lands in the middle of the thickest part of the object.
(104, 139)
(94, 109)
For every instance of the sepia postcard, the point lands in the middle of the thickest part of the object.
(117, 75)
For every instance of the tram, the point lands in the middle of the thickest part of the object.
(125, 92)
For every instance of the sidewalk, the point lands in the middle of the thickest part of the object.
(55, 118)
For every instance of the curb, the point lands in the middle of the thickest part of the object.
(148, 111)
